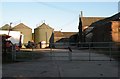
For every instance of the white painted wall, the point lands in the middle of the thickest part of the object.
(15, 36)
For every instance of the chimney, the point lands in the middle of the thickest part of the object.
(81, 13)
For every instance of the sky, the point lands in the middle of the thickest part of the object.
(62, 16)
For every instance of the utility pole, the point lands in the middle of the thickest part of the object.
(46, 38)
(9, 28)
(80, 28)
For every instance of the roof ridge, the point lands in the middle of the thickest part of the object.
(44, 26)
(21, 24)
(5, 27)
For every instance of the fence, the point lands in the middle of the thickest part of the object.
(89, 51)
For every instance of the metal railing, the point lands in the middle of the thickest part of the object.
(109, 49)
(88, 51)
(91, 51)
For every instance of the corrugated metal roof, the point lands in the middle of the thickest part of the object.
(44, 26)
(21, 26)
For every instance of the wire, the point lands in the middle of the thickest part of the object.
(70, 22)
(61, 9)
(56, 7)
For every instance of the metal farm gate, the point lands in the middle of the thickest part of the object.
(91, 51)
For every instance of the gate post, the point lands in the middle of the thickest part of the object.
(13, 53)
(110, 50)
(89, 51)
(51, 53)
(70, 54)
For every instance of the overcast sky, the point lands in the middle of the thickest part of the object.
(59, 15)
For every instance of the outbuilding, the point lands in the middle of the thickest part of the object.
(44, 34)
(25, 30)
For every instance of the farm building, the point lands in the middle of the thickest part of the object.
(87, 21)
(25, 30)
(58, 35)
(63, 36)
(44, 33)
(106, 30)
(73, 36)
(5, 27)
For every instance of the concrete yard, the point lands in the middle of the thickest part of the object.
(55, 67)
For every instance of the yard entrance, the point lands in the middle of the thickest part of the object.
(73, 52)
(85, 61)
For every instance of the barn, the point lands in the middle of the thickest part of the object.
(25, 30)
(5, 27)
(106, 30)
